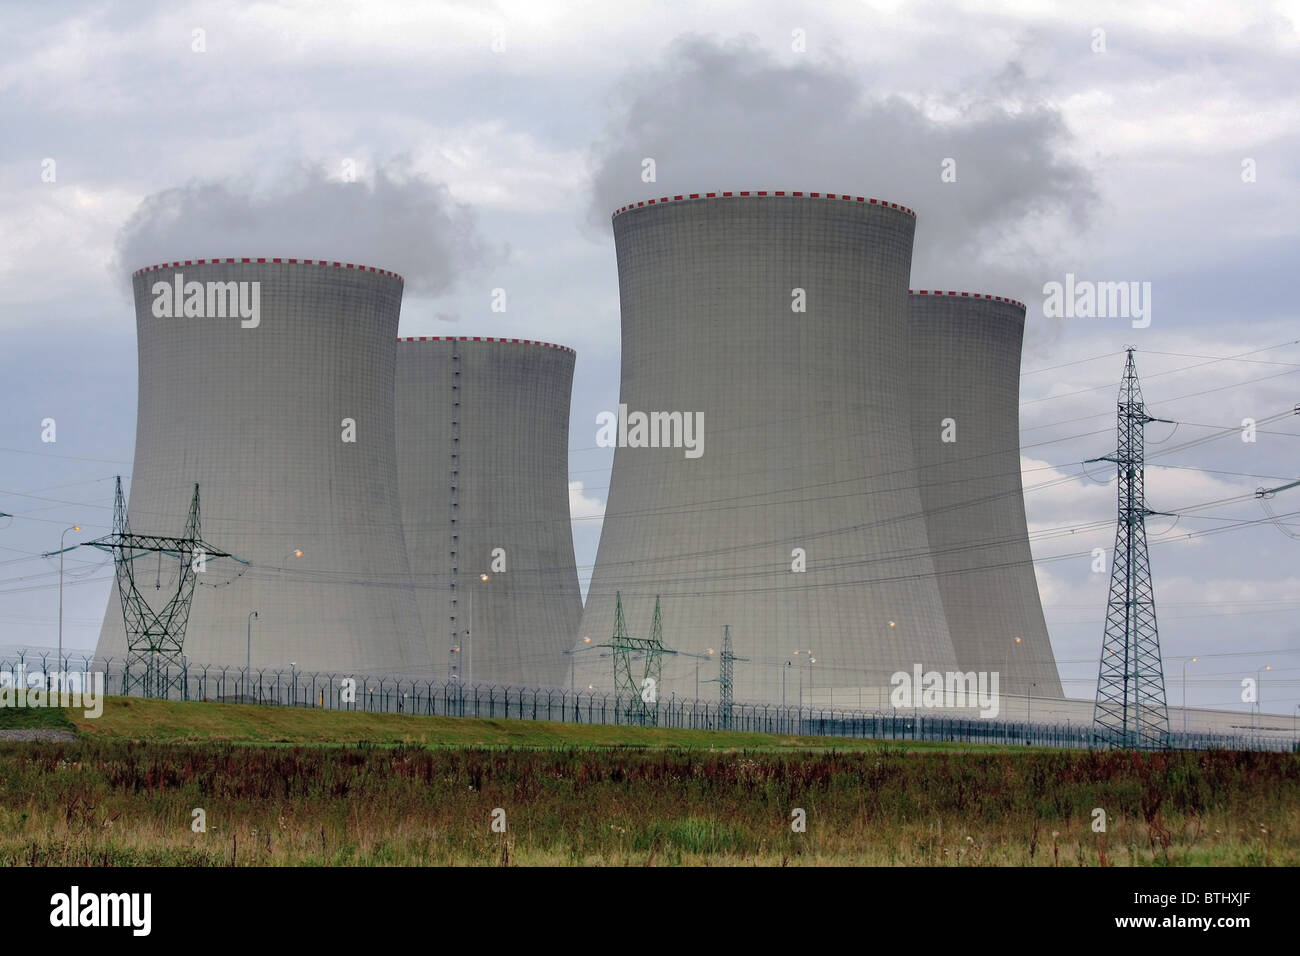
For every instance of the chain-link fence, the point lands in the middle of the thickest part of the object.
(452, 698)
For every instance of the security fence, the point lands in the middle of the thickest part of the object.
(452, 698)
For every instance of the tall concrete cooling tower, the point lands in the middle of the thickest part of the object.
(482, 454)
(965, 388)
(285, 420)
(781, 319)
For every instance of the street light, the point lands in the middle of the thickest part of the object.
(811, 660)
(1006, 666)
(1194, 660)
(1259, 698)
(248, 661)
(573, 657)
(708, 651)
(293, 682)
(59, 664)
(469, 624)
(798, 664)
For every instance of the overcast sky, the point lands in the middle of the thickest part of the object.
(1150, 142)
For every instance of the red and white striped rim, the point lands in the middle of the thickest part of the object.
(483, 338)
(297, 262)
(967, 295)
(736, 194)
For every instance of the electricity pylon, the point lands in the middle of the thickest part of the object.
(1131, 709)
(156, 638)
(725, 678)
(638, 685)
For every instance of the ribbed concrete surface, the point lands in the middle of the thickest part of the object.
(254, 415)
(806, 445)
(965, 366)
(482, 451)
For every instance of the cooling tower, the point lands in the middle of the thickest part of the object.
(482, 455)
(965, 390)
(781, 320)
(285, 420)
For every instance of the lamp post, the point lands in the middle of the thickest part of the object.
(791, 663)
(867, 676)
(573, 658)
(708, 651)
(293, 683)
(248, 660)
(1194, 660)
(1259, 698)
(469, 624)
(58, 666)
(811, 660)
(1006, 666)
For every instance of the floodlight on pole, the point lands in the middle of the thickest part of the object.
(248, 660)
(1259, 698)
(1194, 660)
(59, 663)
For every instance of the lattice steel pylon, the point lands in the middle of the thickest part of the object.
(638, 687)
(1131, 708)
(725, 678)
(156, 638)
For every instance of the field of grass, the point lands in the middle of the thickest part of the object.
(194, 722)
(422, 791)
(34, 718)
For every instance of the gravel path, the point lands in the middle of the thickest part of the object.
(37, 735)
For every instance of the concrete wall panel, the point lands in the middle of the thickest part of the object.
(254, 415)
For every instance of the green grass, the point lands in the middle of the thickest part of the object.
(194, 722)
(284, 786)
(112, 800)
(34, 718)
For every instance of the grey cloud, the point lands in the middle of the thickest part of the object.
(717, 115)
(396, 220)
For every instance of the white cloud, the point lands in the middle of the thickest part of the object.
(583, 506)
